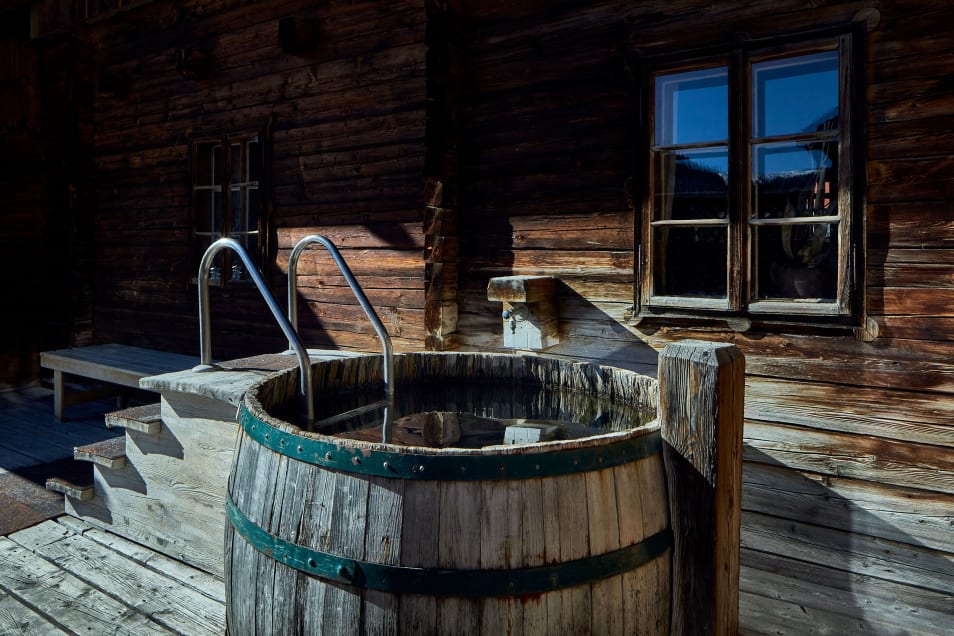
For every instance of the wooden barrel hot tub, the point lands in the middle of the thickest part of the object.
(328, 535)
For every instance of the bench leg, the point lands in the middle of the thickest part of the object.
(58, 402)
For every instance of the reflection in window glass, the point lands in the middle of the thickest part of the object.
(692, 107)
(797, 262)
(691, 261)
(693, 184)
(795, 95)
(795, 180)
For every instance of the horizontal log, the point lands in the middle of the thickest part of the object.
(904, 515)
(918, 418)
(786, 594)
(855, 456)
(909, 365)
(389, 236)
(918, 179)
(911, 301)
(922, 225)
(922, 328)
(851, 554)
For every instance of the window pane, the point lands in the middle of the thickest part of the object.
(795, 95)
(238, 216)
(692, 107)
(203, 164)
(237, 165)
(203, 211)
(217, 212)
(252, 210)
(692, 184)
(792, 180)
(690, 261)
(254, 161)
(797, 262)
(217, 167)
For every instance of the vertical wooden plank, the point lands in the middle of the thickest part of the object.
(459, 548)
(288, 514)
(420, 527)
(653, 579)
(383, 545)
(494, 552)
(572, 506)
(349, 517)
(316, 533)
(533, 552)
(631, 531)
(701, 391)
(603, 517)
(550, 492)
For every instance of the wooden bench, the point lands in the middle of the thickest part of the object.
(110, 363)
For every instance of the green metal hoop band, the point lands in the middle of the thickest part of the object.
(338, 456)
(442, 582)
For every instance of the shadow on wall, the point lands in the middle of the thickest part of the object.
(853, 556)
(591, 329)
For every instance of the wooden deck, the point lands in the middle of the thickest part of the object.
(65, 577)
(57, 574)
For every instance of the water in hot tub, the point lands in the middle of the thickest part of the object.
(472, 415)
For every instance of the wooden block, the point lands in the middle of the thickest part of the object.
(145, 419)
(75, 491)
(521, 289)
(701, 391)
(110, 453)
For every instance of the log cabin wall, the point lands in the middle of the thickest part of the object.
(849, 480)
(442, 145)
(345, 113)
(45, 169)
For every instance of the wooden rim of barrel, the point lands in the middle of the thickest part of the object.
(557, 457)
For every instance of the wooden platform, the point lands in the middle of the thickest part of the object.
(110, 363)
(65, 577)
(35, 447)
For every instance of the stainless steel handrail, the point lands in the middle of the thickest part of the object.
(288, 328)
(358, 293)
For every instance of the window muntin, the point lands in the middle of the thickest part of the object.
(770, 196)
(226, 201)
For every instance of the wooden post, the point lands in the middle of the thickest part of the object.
(701, 393)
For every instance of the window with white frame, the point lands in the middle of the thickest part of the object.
(751, 192)
(227, 202)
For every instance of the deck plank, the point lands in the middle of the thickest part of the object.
(211, 586)
(17, 618)
(77, 606)
(157, 596)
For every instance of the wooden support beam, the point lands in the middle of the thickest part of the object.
(701, 393)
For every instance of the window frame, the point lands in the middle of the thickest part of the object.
(740, 299)
(224, 184)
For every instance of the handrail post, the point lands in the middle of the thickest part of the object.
(355, 289)
(205, 340)
(701, 394)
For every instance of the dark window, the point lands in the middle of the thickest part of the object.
(750, 206)
(226, 201)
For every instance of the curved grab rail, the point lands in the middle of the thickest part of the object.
(355, 288)
(294, 340)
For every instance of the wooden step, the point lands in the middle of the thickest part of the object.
(145, 419)
(110, 453)
(75, 491)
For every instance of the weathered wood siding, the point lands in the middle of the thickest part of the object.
(849, 482)
(348, 161)
(442, 145)
(45, 262)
